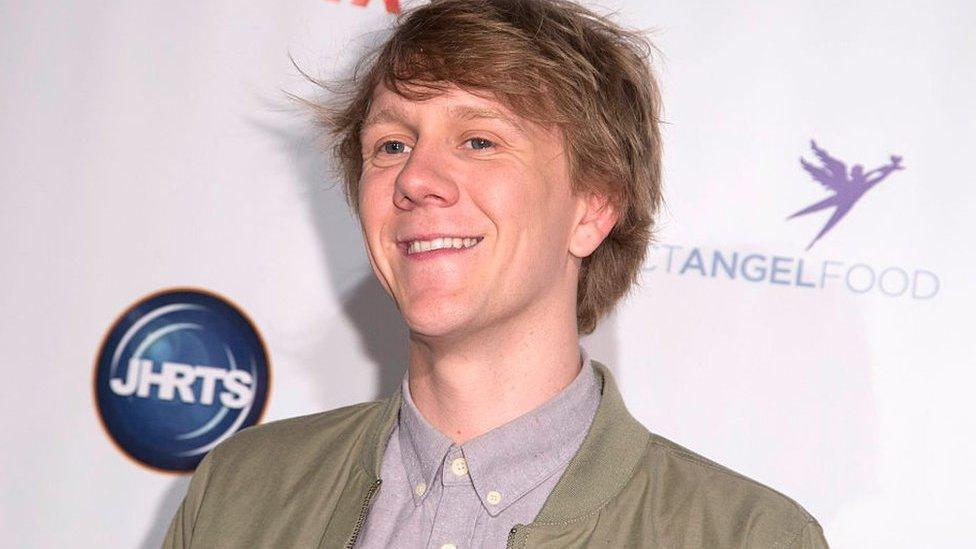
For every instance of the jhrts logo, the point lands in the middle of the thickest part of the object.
(848, 188)
(179, 372)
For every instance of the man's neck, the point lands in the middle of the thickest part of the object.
(470, 387)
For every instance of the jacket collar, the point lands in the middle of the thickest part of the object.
(604, 463)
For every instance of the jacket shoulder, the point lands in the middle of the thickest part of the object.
(287, 440)
(715, 476)
(733, 505)
(289, 469)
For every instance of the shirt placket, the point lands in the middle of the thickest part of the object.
(459, 506)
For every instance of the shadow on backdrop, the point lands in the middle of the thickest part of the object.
(167, 507)
(373, 314)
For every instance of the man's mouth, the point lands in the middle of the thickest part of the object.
(417, 246)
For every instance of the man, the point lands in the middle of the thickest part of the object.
(503, 157)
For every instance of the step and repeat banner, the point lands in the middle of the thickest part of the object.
(177, 262)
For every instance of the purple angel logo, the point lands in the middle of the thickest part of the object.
(848, 188)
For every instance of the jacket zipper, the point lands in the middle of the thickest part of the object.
(511, 536)
(362, 513)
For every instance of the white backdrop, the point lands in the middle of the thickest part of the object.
(147, 145)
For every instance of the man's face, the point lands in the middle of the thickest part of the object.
(467, 211)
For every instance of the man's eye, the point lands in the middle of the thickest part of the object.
(479, 143)
(393, 147)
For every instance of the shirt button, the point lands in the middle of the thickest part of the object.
(448, 546)
(459, 467)
(494, 497)
(420, 488)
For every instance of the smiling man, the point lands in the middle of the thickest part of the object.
(503, 158)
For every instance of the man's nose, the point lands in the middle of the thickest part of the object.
(424, 179)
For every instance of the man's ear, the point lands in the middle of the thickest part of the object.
(598, 216)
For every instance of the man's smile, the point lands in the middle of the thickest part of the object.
(423, 246)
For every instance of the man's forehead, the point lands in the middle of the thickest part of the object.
(386, 106)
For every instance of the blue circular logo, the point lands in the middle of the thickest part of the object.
(178, 373)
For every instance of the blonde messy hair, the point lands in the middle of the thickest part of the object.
(551, 62)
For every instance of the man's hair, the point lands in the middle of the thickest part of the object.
(551, 62)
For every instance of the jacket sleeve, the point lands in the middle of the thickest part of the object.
(180, 532)
(810, 537)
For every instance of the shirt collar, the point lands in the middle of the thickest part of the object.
(510, 460)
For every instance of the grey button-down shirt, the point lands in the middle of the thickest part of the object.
(437, 494)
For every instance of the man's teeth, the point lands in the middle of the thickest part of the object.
(438, 243)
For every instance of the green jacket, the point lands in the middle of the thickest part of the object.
(308, 482)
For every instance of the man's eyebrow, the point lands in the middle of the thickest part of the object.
(477, 113)
(388, 114)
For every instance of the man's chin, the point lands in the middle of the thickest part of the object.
(441, 322)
